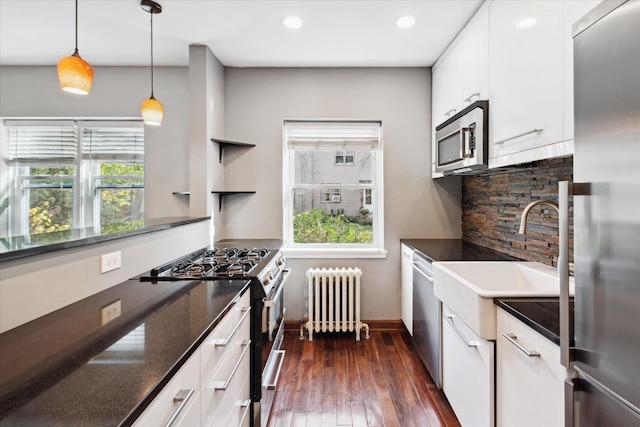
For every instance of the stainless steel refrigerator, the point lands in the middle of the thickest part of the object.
(604, 386)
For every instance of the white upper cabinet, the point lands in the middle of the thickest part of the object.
(447, 94)
(462, 76)
(525, 81)
(475, 83)
(519, 56)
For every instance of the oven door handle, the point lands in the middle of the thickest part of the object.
(276, 378)
(271, 302)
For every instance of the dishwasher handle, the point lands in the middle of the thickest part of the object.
(416, 267)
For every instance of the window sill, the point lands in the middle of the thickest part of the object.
(334, 252)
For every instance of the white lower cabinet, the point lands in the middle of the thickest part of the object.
(529, 387)
(178, 404)
(407, 287)
(225, 369)
(212, 388)
(467, 372)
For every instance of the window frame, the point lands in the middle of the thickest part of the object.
(376, 249)
(85, 193)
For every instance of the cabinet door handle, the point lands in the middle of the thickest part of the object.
(511, 337)
(452, 111)
(466, 342)
(246, 404)
(220, 385)
(468, 99)
(182, 398)
(223, 342)
(502, 141)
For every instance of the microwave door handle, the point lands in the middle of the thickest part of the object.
(466, 152)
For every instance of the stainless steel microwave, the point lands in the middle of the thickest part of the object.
(461, 141)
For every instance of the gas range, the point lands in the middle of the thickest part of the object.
(229, 263)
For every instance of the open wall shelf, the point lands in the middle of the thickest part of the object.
(223, 143)
(222, 194)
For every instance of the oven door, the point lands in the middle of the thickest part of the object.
(272, 336)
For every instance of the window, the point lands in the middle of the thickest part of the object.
(344, 158)
(331, 195)
(65, 175)
(331, 210)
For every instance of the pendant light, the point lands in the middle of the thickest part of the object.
(152, 109)
(74, 73)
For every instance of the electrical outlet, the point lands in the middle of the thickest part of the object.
(110, 312)
(110, 261)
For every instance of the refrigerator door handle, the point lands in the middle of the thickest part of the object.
(565, 189)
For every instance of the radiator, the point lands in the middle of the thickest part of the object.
(334, 301)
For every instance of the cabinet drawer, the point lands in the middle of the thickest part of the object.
(228, 384)
(241, 411)
(179, 398)
(234, 328)
(529, 387)
(467, 372)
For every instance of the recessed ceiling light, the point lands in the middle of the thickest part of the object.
(292, 22)
(526, 23)
(406, 21)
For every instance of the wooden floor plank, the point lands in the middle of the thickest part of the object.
(337, 381)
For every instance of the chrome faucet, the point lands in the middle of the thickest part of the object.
(525, 212)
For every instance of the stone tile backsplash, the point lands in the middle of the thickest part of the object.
(492, 206)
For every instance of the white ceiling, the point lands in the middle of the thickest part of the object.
(241, 33)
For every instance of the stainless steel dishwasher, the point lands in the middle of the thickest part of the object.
(427, 318)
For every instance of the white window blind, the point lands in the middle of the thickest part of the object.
(59, 141)
(106, 143)
(323, 135)
(46, 142)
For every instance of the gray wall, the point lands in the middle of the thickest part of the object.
(256, 102)
(206, 82)
(117, 92)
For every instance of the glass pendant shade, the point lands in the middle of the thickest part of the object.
(75, 74)
(152, 111)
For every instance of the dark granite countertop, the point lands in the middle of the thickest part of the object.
(454, 250)
(540, 314)
(250, 243)
(65, 369)
(16, 247)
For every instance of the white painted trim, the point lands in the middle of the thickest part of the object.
(332, 253)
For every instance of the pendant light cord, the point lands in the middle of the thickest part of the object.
(76, 26)
(151, 13)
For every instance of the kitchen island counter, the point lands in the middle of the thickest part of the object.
(16, 247)
(69, 369)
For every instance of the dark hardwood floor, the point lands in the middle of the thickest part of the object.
(335, 380)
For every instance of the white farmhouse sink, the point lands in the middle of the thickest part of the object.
(468, 288)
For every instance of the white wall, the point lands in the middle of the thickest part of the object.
(256, 102)
(117, 92)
